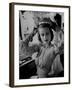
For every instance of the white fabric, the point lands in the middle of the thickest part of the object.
(56, 66)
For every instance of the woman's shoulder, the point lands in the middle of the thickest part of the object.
(52, 46)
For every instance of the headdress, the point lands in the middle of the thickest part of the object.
(45, 21)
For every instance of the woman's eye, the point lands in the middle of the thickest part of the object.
(42, 34)
(47, 33)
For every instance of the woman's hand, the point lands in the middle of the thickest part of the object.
(59, 49)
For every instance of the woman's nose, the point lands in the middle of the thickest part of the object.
(44, 37)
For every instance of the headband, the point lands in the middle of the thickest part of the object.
(44, 23)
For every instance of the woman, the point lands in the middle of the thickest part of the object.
(47, 60)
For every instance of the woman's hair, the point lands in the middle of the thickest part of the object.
(45, 23)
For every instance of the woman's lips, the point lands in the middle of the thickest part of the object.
(46, 40)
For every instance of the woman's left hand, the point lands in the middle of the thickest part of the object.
(59, 49)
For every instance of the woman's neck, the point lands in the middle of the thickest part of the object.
(47, 45)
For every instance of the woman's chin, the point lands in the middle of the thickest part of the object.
(46, 43)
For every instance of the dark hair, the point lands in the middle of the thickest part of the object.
(45, 23)
(58, 19)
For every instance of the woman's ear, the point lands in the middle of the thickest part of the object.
(50, 37)
(39, 38)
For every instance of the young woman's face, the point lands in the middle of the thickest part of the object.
(45, 35)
